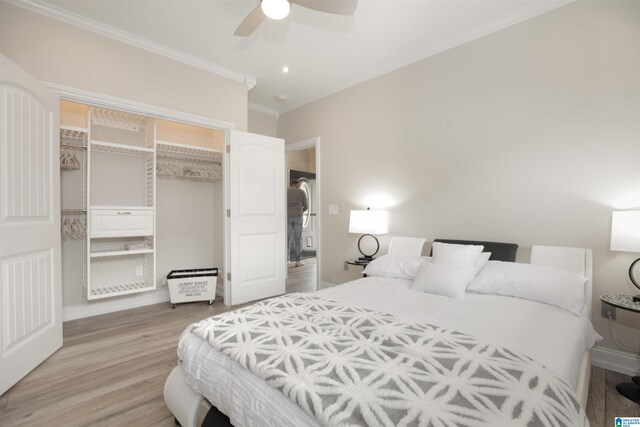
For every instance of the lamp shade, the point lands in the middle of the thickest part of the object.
(368, 222)
(625, 231)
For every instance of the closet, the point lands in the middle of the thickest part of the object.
(133, 197)
(140, 196)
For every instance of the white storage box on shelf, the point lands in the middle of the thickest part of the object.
(192, 285)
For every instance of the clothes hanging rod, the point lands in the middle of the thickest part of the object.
(73, 146)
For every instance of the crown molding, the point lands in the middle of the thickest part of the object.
(262, 109)
(113, 33)
(462, 38)
(108, 101)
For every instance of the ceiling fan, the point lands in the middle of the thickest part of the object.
(279, 9)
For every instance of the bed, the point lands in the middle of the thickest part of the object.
(209, 383)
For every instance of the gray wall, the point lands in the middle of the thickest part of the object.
(528, 135)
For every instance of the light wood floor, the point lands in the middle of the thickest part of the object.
(111, 370)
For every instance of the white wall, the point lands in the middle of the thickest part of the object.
(528, 135)
(61, 53)
(187, 234)
(262, 123)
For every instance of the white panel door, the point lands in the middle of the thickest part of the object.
(30, 288)
(257, 221)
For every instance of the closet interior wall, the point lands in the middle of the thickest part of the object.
(188, 202)
(189, 208)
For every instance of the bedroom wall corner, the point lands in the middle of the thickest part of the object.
(262, 123)
(527, 135)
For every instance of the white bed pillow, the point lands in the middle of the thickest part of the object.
(482, 260)
(548, 285)
(464, 256)
(396, 266)
(443, 279)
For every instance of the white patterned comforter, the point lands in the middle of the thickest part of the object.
(346, 365)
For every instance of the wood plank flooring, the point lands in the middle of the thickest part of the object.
(111, 370)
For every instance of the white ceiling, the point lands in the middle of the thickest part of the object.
(324, 52)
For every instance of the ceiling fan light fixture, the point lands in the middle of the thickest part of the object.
(276, 9)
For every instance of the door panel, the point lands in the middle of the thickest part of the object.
(30, 287)
(257, 234)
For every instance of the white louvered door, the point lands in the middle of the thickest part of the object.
(30, 283)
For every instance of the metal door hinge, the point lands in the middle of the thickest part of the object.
(228, 213)
(229, 277)
(228, 149)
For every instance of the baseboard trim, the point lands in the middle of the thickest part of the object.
(615, 360)
(79, 311)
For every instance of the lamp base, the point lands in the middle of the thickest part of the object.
(633, 279)
(370, 258)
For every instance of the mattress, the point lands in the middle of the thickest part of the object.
(553, 336)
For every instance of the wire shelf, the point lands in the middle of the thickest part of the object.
(171, 149)
(118, 119)
(192, 169)
(106, 254)
(119, 289)
(111, 147)
(73, 132)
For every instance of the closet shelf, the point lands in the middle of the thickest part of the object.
(73, 132)
(172, 149)
(122, 208)
(191, 169)
(118, 119)
(119, 289)
(73, 211)
(105, 254)
(110, 147)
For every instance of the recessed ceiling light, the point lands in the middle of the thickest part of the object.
(285, 70)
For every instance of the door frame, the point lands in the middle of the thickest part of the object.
(100, 100)
(303, 145)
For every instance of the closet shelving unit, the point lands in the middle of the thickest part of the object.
(120, 254)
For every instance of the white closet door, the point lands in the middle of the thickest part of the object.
(257, 222)
(30, 289)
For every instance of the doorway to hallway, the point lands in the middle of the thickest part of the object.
(302, 163)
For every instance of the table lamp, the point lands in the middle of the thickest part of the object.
(368, 223)
(625, 237)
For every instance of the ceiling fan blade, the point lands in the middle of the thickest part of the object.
(250, 23)
(338, 7)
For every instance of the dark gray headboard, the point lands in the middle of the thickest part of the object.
(499, 251)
